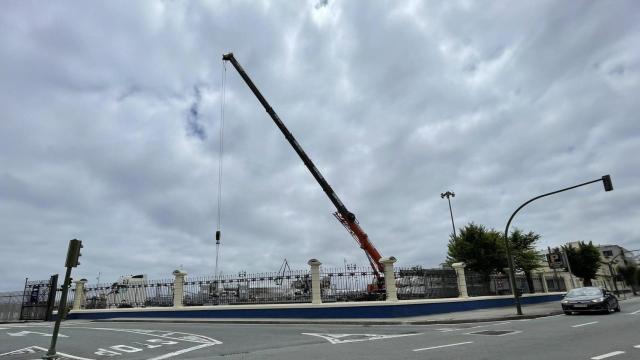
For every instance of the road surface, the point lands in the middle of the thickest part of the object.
(615, 336)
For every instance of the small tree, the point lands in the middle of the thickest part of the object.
(525, 256)
(480, 249)
(584, 261)
(629, 274)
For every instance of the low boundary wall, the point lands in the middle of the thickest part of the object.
(343, 310)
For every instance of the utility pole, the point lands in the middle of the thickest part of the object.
(449, 194)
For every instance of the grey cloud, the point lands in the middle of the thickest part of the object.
(109, 111)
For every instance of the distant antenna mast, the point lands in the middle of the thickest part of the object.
(221, 153)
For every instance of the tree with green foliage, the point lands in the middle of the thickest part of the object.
(629, 273)
(482, 250)
(584, 261)
(525, 256)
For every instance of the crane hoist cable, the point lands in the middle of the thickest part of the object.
(220, 157)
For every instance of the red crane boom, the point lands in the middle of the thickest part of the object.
(346, 217)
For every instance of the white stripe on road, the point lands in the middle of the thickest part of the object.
(442, 346)
(604, 356)
(637, 346)
(589, 323)
(635, 312)
(166, 356)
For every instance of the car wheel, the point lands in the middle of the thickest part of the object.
(617, 309)
(568, 313)
(609, 310)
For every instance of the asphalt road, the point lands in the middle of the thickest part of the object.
(614, 336)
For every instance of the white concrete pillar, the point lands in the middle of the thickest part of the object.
(543, 280)
(78, 298)
(390, 278)
(462, 279)
(178, 288)
(316, 292)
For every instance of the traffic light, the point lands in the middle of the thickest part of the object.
(73, 254)
(606, 181)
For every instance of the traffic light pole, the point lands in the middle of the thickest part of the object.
(73, 254)
(608, 186)
(51, 353)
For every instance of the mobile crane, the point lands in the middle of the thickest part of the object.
(346, 217)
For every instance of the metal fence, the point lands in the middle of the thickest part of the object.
(555, 283)
(128, 293)
(350, 284)
(292, 286)
(10, 305)
(495, 284)
(418, 283)
(498, 284)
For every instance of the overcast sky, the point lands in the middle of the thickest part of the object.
(111, 112)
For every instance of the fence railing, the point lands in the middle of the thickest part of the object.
(418, 283)
(295, 286)
(10, 305)
(350, 284)
(261, 288)
(128, 294)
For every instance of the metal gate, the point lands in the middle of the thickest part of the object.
(38, 299)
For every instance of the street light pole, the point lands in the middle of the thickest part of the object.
(447, 195)
(606, 180)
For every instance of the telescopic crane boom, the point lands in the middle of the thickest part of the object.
(346, 217)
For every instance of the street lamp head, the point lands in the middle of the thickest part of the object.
(606, 181)
(442, 195)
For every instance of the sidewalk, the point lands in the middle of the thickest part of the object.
(493, 314)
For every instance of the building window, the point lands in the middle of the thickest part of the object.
(607, 253)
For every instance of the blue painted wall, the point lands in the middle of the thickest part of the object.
(369, 312)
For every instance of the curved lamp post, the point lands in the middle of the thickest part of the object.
(447, 195)
(608, 186)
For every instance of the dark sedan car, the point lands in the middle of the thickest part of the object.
(589, 299)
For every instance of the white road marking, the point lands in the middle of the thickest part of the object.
(27, 350)
(339, 338)
(443, 346)
(72, 357)
(23, 333)
(637, 346)
(180, 352)
(635, 312)
(589, 323)
(163, 334)
(32, 350)
(447, 329)
(604, 356)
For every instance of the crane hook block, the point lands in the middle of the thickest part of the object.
(218, 235)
